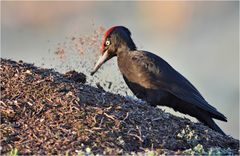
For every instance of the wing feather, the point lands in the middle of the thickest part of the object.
(163, 76)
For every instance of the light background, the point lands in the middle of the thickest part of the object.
(199, 39)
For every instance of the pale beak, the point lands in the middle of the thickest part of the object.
(100, 61)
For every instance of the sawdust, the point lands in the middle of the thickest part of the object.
(80, 52)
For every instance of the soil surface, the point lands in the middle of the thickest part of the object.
(45, 112)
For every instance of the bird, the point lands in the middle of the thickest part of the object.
(153, 80)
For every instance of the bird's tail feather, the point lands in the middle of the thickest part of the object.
(202, 115)
(211, 123)
(219, 116)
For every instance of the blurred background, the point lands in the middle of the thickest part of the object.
(199, 39)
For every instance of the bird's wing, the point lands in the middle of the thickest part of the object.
(162, 75)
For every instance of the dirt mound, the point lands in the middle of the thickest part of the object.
(45, 112)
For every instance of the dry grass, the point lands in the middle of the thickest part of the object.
(45, 112)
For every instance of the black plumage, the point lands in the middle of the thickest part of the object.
(152, 79)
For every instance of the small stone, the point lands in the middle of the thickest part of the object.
(28, 72)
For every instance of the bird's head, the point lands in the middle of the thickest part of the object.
(116, 39)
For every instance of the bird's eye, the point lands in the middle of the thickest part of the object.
(107, 42)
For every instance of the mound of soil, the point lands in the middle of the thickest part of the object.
(45, 112)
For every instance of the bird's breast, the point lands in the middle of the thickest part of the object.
(133, 73)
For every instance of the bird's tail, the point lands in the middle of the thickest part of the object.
(202, 115)
(211, 123)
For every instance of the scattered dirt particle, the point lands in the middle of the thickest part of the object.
(75, 76)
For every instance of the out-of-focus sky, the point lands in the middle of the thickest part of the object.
(199, 39)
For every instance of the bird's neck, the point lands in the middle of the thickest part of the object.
(124, 50)
(123, 60)
(126, 45)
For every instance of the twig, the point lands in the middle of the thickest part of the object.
(134, 135)
(109, 116)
